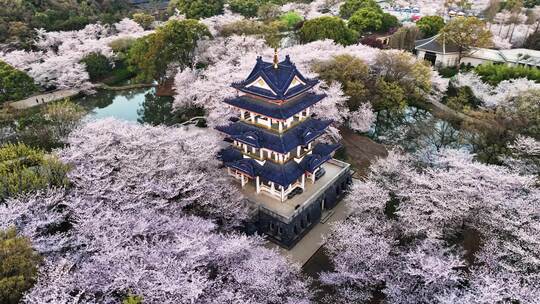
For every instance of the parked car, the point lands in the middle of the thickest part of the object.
(320, 173)
(295, 192)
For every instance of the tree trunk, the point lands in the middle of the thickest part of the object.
(512, 33)
(508, 31)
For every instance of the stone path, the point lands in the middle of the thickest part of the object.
(43, 99)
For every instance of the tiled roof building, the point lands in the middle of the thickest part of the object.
(275, 153)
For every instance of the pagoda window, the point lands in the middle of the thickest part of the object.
(264, 121)
(289, 121)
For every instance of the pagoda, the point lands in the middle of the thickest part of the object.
(275, 153)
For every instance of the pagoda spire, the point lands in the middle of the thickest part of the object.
(276, 60)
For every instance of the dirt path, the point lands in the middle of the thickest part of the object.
(361, 151)
(43, 99)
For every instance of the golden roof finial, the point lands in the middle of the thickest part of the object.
(276, 60)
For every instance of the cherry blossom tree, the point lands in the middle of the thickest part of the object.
(177, 165)
(130, 224)
(403, 238)
(525, 156)
(231, 59)
(216, 23)
(493, 97)
(314, 9)
(56, 63)
(362, 119)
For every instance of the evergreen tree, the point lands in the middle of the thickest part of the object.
(430, 25)
(14, 84)
(327, 28)
(18, 266)
(196, 9)
(174, 42)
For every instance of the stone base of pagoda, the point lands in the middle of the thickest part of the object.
(285, 223)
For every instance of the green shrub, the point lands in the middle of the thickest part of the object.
(461, 99)
(97, 66)
(18, 266)
(46, 127)
(119, 74)
(14, 84)
(132, 299)
(24, 169)
(495, 73)
(327, 28)
(448, 72)
(144, 20)
(246, 8)
(291, 19)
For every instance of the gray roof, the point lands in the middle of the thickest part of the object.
(432, 44)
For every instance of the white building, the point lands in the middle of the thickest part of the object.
(447, 55)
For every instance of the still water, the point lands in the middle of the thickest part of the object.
(137, 105)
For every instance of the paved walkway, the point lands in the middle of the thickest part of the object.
(313, 240)
(43, 98)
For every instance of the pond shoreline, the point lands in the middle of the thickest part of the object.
(125, 87)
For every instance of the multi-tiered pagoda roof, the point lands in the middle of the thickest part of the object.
(282, 175)
(274, 140)
(299, 135)
(275, 81)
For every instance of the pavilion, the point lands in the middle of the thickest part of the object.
(276, 154)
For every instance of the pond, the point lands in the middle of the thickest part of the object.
(137, 105)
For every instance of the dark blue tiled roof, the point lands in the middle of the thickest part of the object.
(276, 111)
(299, 135)
(278, 79)
(282, 175)
(320, 154)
